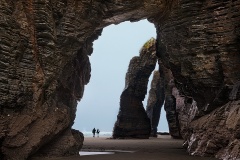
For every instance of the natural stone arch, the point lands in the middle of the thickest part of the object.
(45, 43)
(48, 43)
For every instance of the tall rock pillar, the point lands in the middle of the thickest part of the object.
(132, 120)
(155, 101)
(170, 104)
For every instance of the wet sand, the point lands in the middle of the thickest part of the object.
(161, 148)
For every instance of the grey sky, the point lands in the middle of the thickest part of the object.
(109, 62)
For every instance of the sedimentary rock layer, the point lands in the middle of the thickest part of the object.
(186, 110)
(170, 104)
(132, 120)
(67, 144)
(199, 43)
(155, 101)
(180, 110)
(44, 65)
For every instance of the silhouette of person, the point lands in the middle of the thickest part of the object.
(98, 131)
(93, 132)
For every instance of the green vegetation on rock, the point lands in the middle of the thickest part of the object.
(148, 44)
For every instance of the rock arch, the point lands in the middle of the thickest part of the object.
(44, 64)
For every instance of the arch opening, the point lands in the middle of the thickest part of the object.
(163, 124)
(110, 60)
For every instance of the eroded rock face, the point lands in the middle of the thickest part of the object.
(223, 125)
(155, 101)
(195, 53)
(170, 105)
(199, 43)
(44, 65)
(186, 109)
(180, 110)
(132, 120)
(67, 144)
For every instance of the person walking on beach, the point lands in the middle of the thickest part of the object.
(93, 132)
(98, 131)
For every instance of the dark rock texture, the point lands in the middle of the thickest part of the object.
(170, 104)
(67, 144)
(155, 101)
(132, 120)
(186, 110)
(223, 125)
(44, 66)
(180, 110)
(199, 43)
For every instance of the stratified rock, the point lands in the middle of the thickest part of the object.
(180, 110)
(68, 144)
(170, 104)
(132, 120)
(199, 43)
(201, 49)
(186, 109)
(218, 132)
(44, 65)
(155, 101)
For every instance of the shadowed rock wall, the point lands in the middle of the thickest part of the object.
(180, 110)
(186, 110)
(155, 101)
(170, 104)
(199, 43)
(132, 120)
(44, 66)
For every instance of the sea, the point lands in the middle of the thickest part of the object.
(101, 134)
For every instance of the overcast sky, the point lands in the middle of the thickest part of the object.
(109, 62)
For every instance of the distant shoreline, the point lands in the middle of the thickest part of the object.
(109, 134)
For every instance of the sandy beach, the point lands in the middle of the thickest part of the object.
(161, 148)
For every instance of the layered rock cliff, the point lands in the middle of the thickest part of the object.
(155, 101)
(162, 91)
(44, 64)
(132, 120)
(199, 43)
